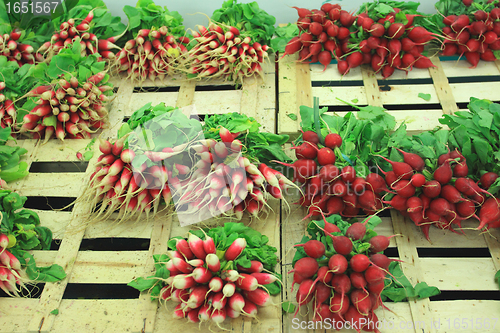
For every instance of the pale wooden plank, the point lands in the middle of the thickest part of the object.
(56, 221)
(217, 102)
(332, 74)
(408, 94)
(265, 108)
(287, 76)
(55, 150)
(101, 267)
(186, 94)
(411, 267)
(44, 184)
(492, 240)
(461, 68)
(138, 100)
(119, 108)
(50, 299)
(15, 313)
(459, 273)
(373, 95)
(441, 84)
(463, 91)
(415, 73)
(329, 95)
(446, 313)
(96, 316)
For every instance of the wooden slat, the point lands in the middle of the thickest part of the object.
(119, 108)
(44, 184)
(412, 268)
(463, 91)
(442, 86)
(138, 100)
(186, 94)
(373, 96)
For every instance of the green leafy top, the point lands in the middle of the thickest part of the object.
(457, 7)
(260, 146)
(24, 225)
(146, 14)
(283, 36)
(248, 18)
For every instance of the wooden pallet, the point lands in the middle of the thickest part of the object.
(449, 83)
(99, 276)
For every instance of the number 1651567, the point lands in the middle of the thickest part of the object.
(37, 7)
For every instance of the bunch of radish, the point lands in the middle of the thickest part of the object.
(388, 43)
(385, 44)
(221, 52)
(445, 200)
(328, 189)
(10, 269)
(206, 287)
(474, 35)
(115, 186)
(7, 109)
(68, 108)
(153, 54)
(11, 48)
(73, 31)
(343, 281)
(223, 181)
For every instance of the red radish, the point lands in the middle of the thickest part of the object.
(235, 249)
(213, 262)
(415, 161)
(440, 206)
(302, 168)
(333, 140)
(397, 202)
(321, 294)
(418, 180)
(374, 275)
(328, 172)
(305, 267)
(196, 246)
(473, 58)
(346, 19)
(358, 280)
(264, 278)
(488, 179)
(369, 200)
(303, 12)
(292, 46)
(313, 248)
(460, 22)
(414, 204)
(183, 248)
(330, 228)
(183, 281)
(359, 262)
(306, 150)
(361, 300)
(396, 30)
(325, 275)
(202, 275)
(401, 169)
(432, 188)
(443, 173)
(343, 67)
(380, 260)
(342, 244)
(466, 209)
(182, 266)
(451, 194)
(255, 267)
(489, 212)
(339, 304)
(375, 182)
(356, 231)
(354, 59)
(250, 309)
(404, 188)
(379, 243)
(305, 293)
(311, 137)
(258, 296)
(348, 174)
(359, 185)
(341, 284)
(324, 58)
(237, 302)
(338, 264)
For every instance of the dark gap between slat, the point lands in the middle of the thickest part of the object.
(404, 82)
(453, 295)
(99, 291)
(115, 244)
(469, 79)
(439, 252)
(392, 252)
(139, 90)
(340, 108)
(413, 107)
(50, 203)
(464, 104)
(355, 83)
(224, 87)
(55, 167)
(31, 291)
